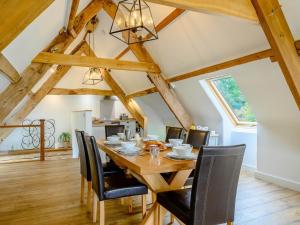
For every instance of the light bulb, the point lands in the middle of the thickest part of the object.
(119, 22)
(134, 14)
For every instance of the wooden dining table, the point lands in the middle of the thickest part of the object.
(149, 171)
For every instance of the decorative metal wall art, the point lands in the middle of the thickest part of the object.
(31, 135)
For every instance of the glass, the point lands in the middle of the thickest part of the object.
(230, 91)
(154, 151)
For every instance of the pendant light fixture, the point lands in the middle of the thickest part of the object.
(133, 22)
(94, 75)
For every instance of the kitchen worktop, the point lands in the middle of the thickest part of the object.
(101, 123)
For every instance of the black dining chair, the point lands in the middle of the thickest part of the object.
(211, 200)
(173, 133)
(196, 138)
(116, 186)
(111, 130)
(85, 169)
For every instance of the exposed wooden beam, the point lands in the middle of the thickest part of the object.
(89, 61)
(80, 91)
(129, 104)
(297, 44)
(14, 93)
(238, 8)
(142, 92)
(36, 98)
(165, 22)
(74, 8)
(224, 65)
(169, 19)
(202, 71)
(220, 66)
(281, 40)
(16, 15)
(7, 69)
(122, 53)
(157, 79)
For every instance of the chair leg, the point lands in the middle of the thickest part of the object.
(161, 214)
(122, 201)
(229, 223)
(82, 189)
(144, 205)
(89, 196)
(95, 202)
(102, 213)
(181, 223)
(130, 205)
(172, 218)
(153, 196)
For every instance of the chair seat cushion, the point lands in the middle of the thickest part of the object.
(111, 168)
(189, 181)
(177, 202)
(120, 185)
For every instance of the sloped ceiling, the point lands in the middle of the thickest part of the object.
(196, 40)
(192, 41)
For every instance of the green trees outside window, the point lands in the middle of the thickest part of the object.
(231, 93)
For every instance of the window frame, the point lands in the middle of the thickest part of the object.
(236, 122)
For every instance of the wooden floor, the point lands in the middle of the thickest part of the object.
(37, 193)
(52, 155)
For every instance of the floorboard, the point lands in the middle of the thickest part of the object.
(40, 193)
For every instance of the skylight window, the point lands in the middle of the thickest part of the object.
(235, 104)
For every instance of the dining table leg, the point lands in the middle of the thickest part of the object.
(161, 214)
(157, 184)
(149, 219)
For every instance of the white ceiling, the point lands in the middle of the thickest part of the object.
(192, 41)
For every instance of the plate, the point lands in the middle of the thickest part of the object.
(169, 145)
(173, 155)
(131, 152)
(112, 143)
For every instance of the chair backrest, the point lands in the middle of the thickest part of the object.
(113, 130)
(215, 184)
(173, 133)
(96, 166)
(85, 168)
(198, 138)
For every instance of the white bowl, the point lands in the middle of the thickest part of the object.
(128, 145)
(113, 139)
(121, 135)
(152, 137)
(175, 142)
(182, 150)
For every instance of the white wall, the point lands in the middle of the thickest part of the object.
(231, 135)
(59, 108)
(279, 121)
(248, 137)
(155, 124)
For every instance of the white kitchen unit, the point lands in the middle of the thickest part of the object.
(80, 120)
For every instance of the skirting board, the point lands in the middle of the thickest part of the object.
(272, 179)
(248, 168)
(278, 181)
